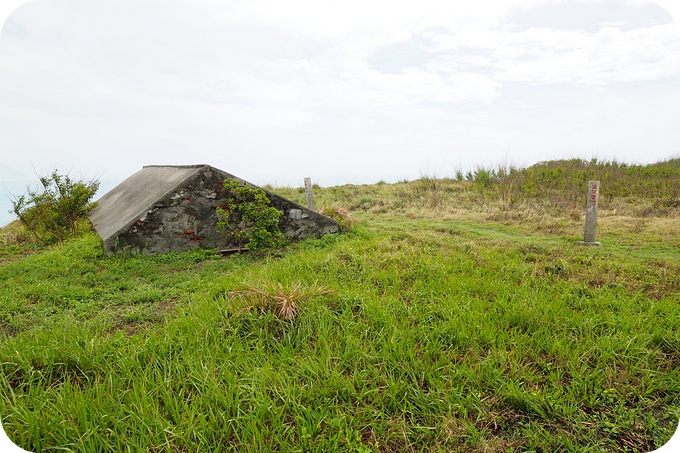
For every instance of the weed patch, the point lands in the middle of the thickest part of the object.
(283, 302)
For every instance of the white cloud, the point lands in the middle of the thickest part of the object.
(206, 51)
(157, 81)
(329, 18)
(543, 55)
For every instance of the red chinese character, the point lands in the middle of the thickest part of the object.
(593, 194)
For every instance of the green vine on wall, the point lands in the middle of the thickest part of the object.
(246, 216)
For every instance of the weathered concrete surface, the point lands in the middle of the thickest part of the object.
(310, 193)
(591, 214)
(172, 208)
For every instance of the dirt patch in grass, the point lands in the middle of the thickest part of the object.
(133, 319)
(6, 329)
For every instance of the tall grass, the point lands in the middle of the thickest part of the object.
(551, 192)
(563, 182)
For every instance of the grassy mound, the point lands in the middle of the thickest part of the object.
(433, 324)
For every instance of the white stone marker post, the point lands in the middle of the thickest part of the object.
(310, 195)
(591, 214)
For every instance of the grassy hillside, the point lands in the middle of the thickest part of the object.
(450, 317)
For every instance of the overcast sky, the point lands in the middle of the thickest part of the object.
(342, 91)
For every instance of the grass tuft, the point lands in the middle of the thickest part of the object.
(13, 234)
(340, 214)
(283, 302)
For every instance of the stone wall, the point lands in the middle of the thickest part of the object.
(186, 219)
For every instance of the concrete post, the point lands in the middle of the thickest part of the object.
(310, 195)
(591, 214)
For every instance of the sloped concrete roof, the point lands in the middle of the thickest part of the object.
(129, 201)
(166, 207)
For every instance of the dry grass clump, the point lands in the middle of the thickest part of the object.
(340, 214)
(283, 302)
(13, 233)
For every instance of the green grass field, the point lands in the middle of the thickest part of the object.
(455, 315)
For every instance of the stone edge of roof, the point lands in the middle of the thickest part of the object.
(144, 210)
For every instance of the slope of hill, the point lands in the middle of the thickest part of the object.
(449, 318)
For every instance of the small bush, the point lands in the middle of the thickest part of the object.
(54, 213)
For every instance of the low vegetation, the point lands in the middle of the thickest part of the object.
(247, 218)
(283, 302)
(57, 210)
(449, 316)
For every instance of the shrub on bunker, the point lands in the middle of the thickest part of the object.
(247, 218)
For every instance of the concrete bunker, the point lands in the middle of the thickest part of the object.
(164, 208)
